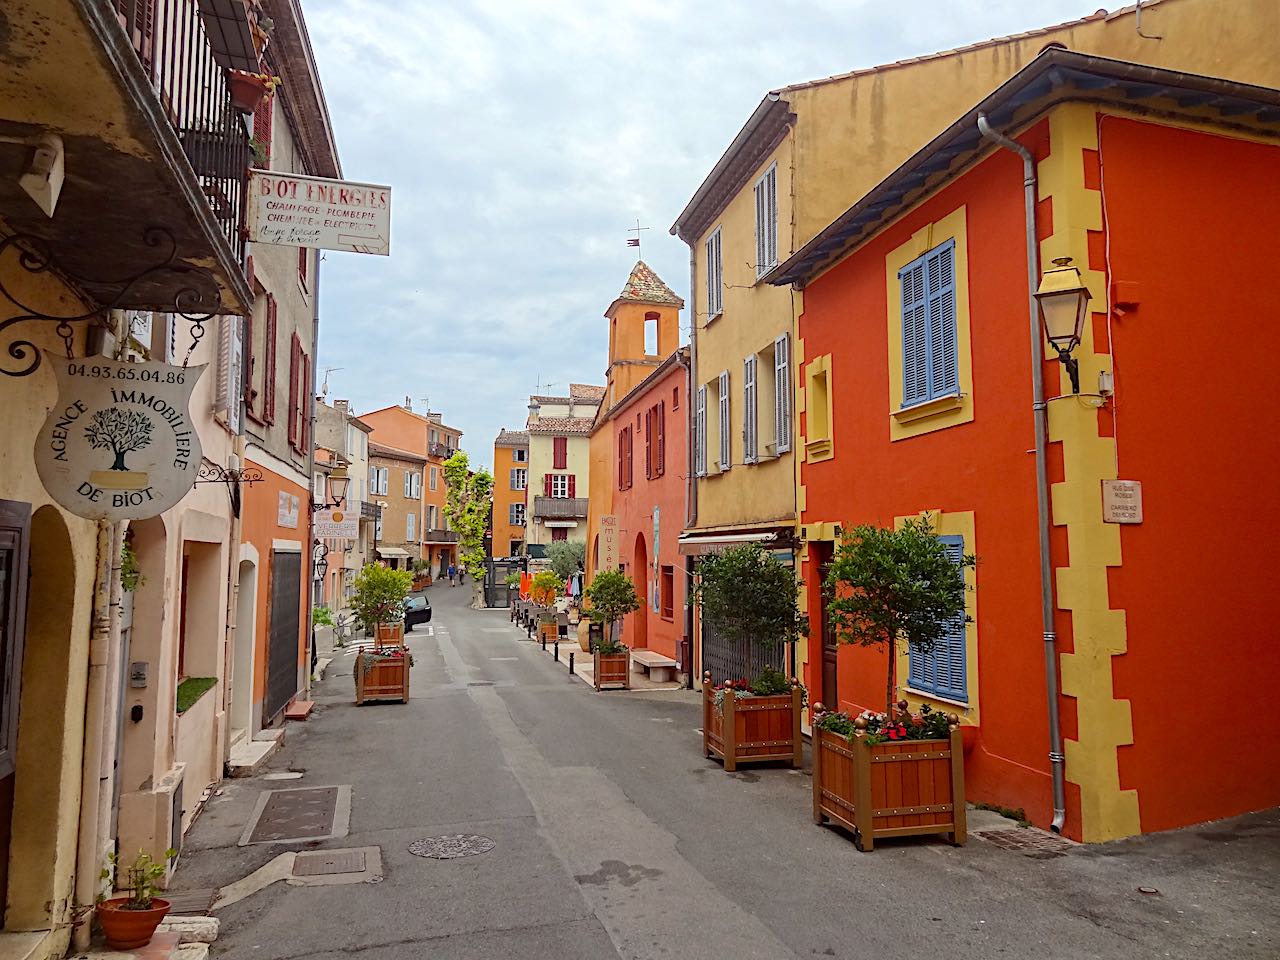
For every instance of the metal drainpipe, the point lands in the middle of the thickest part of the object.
(311, 473)
(1041, 416)
(691, 480)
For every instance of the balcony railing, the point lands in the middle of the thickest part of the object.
(560, 508)
(439, 536)
(441, 451)
(368, 511)
(170, 40)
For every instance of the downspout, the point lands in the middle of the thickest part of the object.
(311, 473)
(1040, 413)
(691, 480)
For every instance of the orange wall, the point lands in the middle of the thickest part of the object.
(504, 496)
(1195, 377)
(874, 480)
(634, 509)
(259, 514)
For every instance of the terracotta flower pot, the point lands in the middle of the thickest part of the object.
(247, 90)
(130, 929)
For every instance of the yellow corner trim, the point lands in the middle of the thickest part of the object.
(930, 408)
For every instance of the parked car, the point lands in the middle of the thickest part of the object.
(416, 610)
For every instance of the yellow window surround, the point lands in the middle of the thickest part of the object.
(818, 444)
(940, 412)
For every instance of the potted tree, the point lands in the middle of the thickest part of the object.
(751, 598)
(546, 587)
(611, 596)
(421, 574)
(378, 601)
(130, 922)
(886, 588)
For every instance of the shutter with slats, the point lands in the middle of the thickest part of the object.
(943, 368)
(573, 485)
(662, 438)
(269, 363)
(295, 369)
(726, 450)
(700, 429)
(622, 438)
(750, 426)
(306, 390)
(915, 359)
(230, 377)
(952, 681)
(262, 127)
(546, 485)
(782, 392)
(648, 444)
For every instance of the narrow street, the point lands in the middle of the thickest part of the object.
(612, 836)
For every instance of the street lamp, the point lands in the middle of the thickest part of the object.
(1064, 303)
(319, 561)
(338, 484)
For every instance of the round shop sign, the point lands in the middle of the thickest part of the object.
(119, 443)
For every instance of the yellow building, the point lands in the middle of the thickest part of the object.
(559, 467)
(806, 154)
(510, 483)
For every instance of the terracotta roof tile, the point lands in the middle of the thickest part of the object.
(512, 438)
(585, 391)
(573, 425)
(645, 286)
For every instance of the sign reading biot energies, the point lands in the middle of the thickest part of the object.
(119, 443)
(297, 211)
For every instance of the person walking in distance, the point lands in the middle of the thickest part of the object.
(453, 575)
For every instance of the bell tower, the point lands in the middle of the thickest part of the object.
(644, 329)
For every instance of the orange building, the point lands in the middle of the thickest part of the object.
(917, 395)
(510, 481)
(639, 453)
(424, 436)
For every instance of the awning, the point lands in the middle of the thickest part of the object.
(393, 552)
(568, 524)
(696, 544)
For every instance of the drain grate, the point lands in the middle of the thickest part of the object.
(321, 863)
(306, 813)
(451, 847)
(190, 902)
(481, 683)
(1033, 843)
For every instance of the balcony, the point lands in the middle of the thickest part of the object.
(441, 451)
(156, 156)
(559, 508)
(368, 511)
(439, 536)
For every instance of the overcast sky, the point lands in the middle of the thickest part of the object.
(522, 139)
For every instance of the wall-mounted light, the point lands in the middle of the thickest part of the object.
(319, 561)
(338, 484)
(1064, 303)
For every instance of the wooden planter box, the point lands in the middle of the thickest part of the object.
(390, 634)
(381, 678)
(549, 632)
(613, 669)
(752, 729)
(896, 789)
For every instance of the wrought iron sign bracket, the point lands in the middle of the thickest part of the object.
(233, 478)
(35, 257)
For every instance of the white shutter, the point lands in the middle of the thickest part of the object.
(410, 522)
(700, 433)
(230, 379)
(726, 450)
(760, 227)
(782, 392)
(766, 192)
(715, 275)
(750, 427)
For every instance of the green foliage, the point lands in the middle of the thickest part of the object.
(131, 577)
(749, 596)
(887, 585)
(567, 557)
(322, 616)
(840, 723)
(140, 877)
(771, 682)
(896, 725)
(546, 586)
(379, 594)
(611, 596)
(420, 565)
(512, 580)
(467, 504)
(192, 689)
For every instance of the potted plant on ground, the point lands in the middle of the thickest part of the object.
(378, 601)
(610, 597)
(130, 922)
(547, 586)
(421, 574)
(383, 674)
(890, 587)
(750, 598)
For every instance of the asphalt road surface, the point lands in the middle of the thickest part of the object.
(614, 837)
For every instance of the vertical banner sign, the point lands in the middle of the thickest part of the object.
(119, 443)
(657, 566)
(608, 542)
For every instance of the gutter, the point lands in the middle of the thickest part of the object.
(1040, 412)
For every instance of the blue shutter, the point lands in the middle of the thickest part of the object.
(942, 671)
(944, 373)
(915, 382)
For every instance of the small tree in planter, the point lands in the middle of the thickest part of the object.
(546, 587)
(378, 600)
(610, 597)
(130, 922)
(751, 598)
(888, 587)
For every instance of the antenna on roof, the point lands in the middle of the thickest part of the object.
(635, 241)
(324, 389)
(542, 386)
(426, 404)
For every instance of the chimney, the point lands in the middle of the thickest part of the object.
(535, 409)
(408, 403)
(343, 407)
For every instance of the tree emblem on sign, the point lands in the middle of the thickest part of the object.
(120, 431)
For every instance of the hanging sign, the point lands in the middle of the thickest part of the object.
(297, 211)
(608, 542)
(119, 443)
(343, 521)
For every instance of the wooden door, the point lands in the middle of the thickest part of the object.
(829, 692)
(15, 537)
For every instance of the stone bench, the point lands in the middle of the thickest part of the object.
(660, 669)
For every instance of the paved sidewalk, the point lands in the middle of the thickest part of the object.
(611, 836)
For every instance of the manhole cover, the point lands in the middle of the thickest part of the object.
(300, 814)
(1033, 843)
(451, 847)
(321, 863)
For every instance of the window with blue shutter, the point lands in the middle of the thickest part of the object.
(941, 671)
(930, 358)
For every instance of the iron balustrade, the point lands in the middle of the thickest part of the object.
(171, 43)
